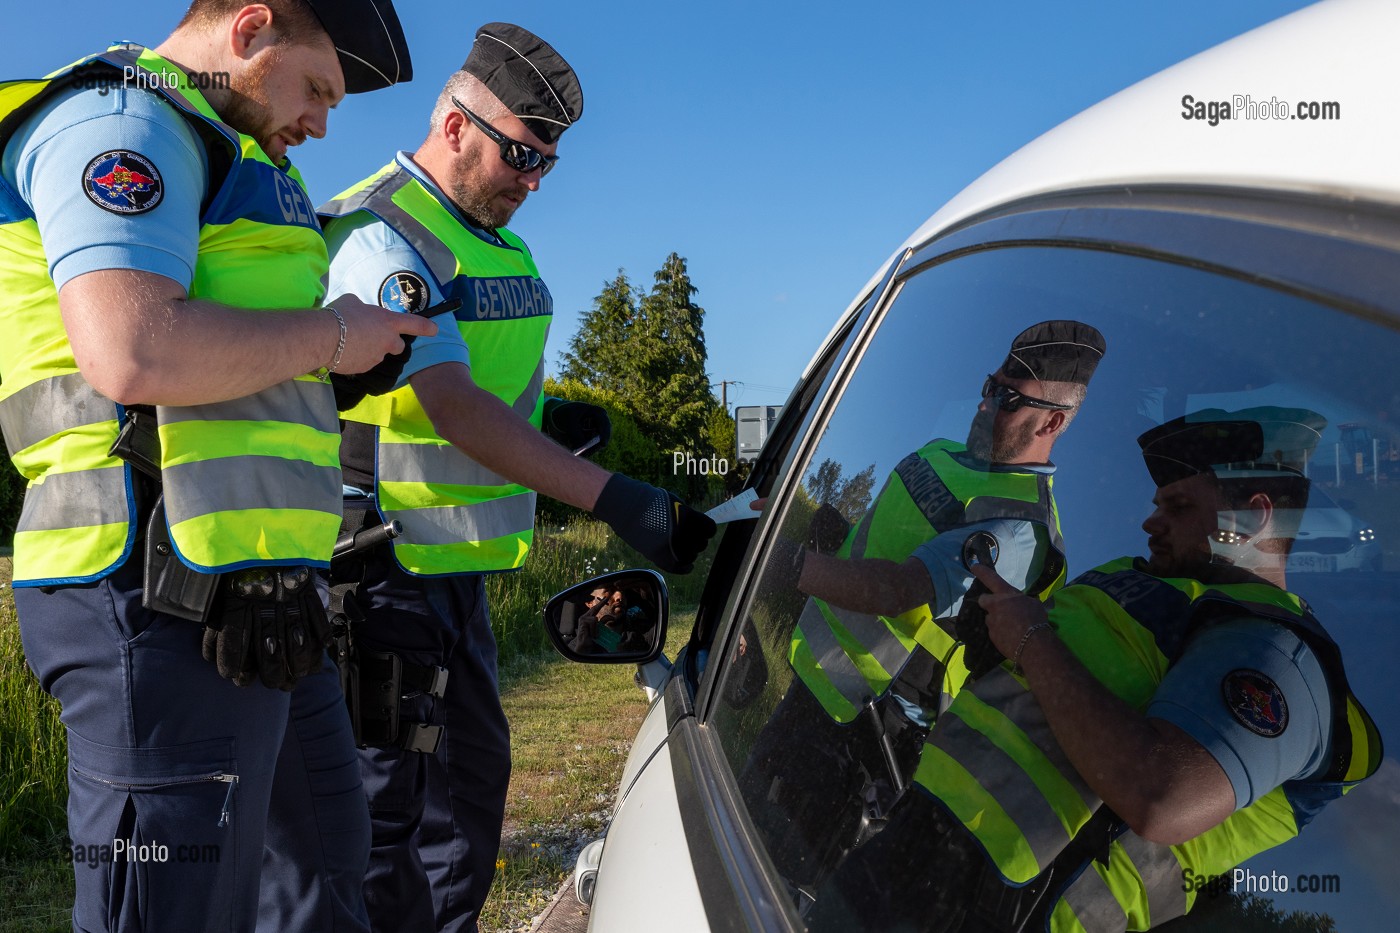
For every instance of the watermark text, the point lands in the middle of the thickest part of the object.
(1245, 881)
(1245, 107)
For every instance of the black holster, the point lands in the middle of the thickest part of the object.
(375, 683)
(167, 584)
(385, 680)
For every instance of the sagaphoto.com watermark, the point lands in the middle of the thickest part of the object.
(1244, 107)
(141, 79)
(94, 855)
(1245, 881)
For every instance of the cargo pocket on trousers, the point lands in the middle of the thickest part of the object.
(154, 842)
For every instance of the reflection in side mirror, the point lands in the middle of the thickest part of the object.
(618, 618)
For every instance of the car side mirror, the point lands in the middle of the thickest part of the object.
(618, 618)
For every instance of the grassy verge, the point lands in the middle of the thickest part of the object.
(35, 886)
(571, 724)
(571, 730)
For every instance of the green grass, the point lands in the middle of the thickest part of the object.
(571, 725)
(571, 729)
(35, 886)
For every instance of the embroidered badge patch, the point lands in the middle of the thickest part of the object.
(1256, 701)
(123, 182)
(404, 291)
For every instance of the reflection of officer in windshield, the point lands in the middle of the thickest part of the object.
(870, 629)
(906, 552)
(1166, 718)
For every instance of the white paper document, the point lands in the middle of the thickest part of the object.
(735, 509)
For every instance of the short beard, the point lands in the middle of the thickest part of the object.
(246, 106)
(1012, 447)
(985, 443)
(473, 194)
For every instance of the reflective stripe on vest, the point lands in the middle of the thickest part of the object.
(995, 763)
(458, 516)
(259, 247)
(1122, 622)
(845, 657)
(1141, 887)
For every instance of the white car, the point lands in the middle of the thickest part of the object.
(1232, 226)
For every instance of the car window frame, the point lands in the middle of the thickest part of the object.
(1199, 228)
(1168, 223)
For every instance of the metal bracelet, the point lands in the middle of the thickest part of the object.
(1026, 637)
(324, 373)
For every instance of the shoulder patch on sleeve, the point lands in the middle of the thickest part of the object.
(1256, 701)
(123, 182)
(403, 291)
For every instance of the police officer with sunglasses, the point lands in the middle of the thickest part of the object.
(453, 454)
(885, 641)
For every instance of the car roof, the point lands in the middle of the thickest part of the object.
(1336, 50)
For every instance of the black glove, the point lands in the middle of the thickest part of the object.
(271, 625)
(828, 530)
(575, 424)
(665, 530)
(351, 390)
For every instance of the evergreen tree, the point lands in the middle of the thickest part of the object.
(675, 401)
(598, 354)
(650, 351)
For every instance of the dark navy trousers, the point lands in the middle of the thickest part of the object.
(155, 740)
(436, 818)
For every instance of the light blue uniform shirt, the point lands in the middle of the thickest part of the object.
(1192, 697)
(367, 253)
(44, 165)
(1021, 549)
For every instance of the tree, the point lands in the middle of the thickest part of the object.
(849, 495)
(650, 350)
(1232, 912)
(599, 352)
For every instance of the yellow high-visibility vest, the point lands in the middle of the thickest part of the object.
(843, 656)
(250, 481)
(457, 516)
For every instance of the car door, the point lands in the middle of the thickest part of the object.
(1207, 298)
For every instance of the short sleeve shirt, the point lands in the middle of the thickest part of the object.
(371, 261)
(114, 178)
(1020, 560)
(1254, 695)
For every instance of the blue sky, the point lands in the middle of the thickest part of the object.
(784, 149)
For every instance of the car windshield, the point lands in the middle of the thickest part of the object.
(1182, 343)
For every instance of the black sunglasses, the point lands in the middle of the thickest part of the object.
(1008, 399)
(518, 155)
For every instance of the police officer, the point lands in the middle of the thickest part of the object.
(879, 637)
(1168, 718)
(150, 220)
(454, 455)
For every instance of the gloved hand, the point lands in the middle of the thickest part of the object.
(574, 424)
(351, 390)
(271, 625)
(828, 530)
(665, 530)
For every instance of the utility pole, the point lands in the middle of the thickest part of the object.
(724, 392)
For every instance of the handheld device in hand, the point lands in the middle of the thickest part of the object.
(979, 654)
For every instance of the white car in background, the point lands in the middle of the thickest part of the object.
(1230, 263)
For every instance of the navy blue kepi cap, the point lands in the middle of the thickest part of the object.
(1266, 440)
(369, 40)
(1056, 351)
(528, 76)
